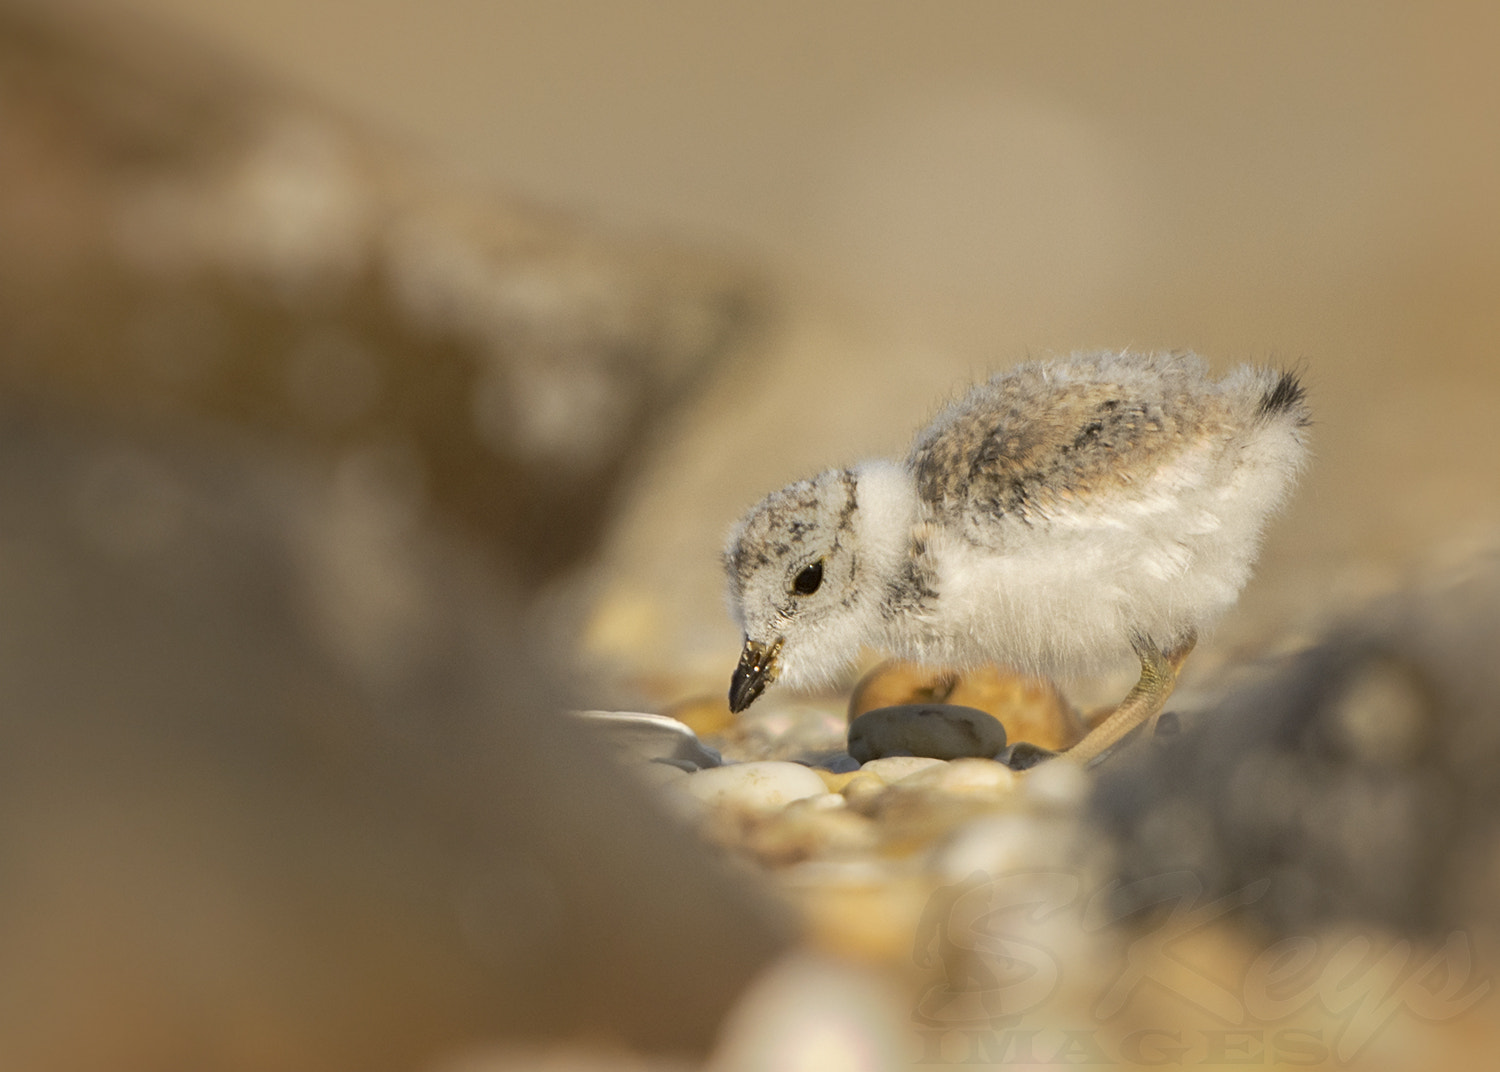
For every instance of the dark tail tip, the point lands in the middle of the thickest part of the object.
(1286, 397)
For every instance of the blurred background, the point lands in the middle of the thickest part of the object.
(579, 282)
(940, 193)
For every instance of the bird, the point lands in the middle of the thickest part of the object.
(1056, 518)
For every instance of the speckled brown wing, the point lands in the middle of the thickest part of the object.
(1021, 444)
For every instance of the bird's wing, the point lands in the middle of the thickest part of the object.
(1023, 448)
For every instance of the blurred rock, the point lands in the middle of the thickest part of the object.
(938, 730)
(279, 786)
(1354, 781)
(291, 431)
(180, 241)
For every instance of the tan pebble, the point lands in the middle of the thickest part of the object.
(861, 790)
(894, 682)
(704, 715)
(1031, 709)
(893, 769)
(759, 787)
(837, 781)
(983, 776)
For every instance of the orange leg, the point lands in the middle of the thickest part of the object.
(1144, 702)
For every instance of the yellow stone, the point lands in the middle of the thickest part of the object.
(1031, 709)
(837, 782)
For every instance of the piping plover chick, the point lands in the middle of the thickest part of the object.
(1053, 519)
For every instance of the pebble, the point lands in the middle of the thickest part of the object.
(1031, 709)
(968, 777)
(878, 775)
(939, 731)
(862, 790)
(763, 786)
(643, 738)
(836, 780)
(893, 769)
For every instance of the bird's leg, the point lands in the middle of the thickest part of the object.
(1159, 670)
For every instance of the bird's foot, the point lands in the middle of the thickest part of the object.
(1159, 670)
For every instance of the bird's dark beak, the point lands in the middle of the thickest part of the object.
(757, 669)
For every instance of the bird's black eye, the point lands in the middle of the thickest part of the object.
(807, 581)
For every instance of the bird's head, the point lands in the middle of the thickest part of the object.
(795, 585)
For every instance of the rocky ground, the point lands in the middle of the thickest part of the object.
(1298, 871)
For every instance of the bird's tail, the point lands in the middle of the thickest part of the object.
(1288, 397)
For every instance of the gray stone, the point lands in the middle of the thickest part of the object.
(939, 731)
(261, 736)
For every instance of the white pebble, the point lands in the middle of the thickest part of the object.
(766, 785)
(965, 776)
(894, 768)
